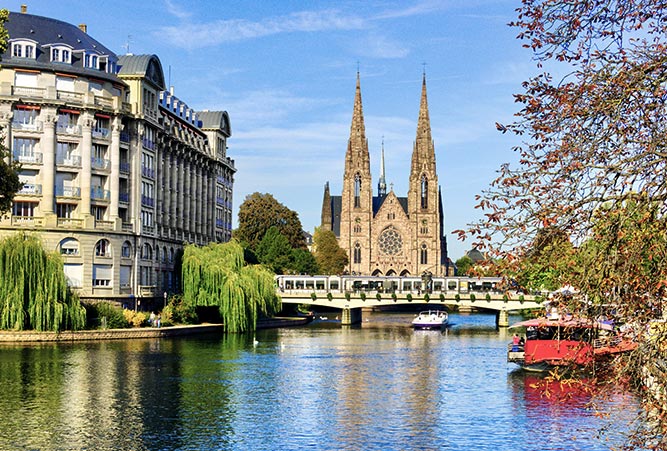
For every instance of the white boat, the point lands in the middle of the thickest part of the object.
(431, 319)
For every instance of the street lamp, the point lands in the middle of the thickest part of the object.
(165, 298)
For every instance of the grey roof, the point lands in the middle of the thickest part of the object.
(147, 66)
(45, 31)
(337, 205)
(218, 120)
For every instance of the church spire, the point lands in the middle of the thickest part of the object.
(357, 158)
(382, 184)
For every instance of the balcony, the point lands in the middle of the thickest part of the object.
(100, 194)
(30, 189)
(148, 144)
(148, 172)
(69, 130)
(36, 126)
(100, 163)
(70, 223)
(104, 101)
(104, 225)
(33, 158)
(147, 201)
(23, 91)
(70, 97)
(31, 221)
(100, 132)
(68, 191)
(68, 160)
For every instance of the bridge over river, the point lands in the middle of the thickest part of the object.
(351, 294)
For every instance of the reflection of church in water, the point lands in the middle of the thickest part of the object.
(387, 234)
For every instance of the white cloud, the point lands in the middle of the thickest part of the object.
(375, 45)
(198, 35)
(176, 10)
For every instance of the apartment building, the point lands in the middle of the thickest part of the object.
(118, 172)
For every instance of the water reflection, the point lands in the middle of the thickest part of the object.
(377, 386)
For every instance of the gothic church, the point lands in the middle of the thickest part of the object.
(386, 234)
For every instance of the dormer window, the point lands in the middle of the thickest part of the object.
(91, 61)
(61, 54)
(23, 49)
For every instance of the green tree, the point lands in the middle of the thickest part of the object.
(34, 294)
(259, 212)
(330, 257)
(275, 251)
(303, 262)
(464, 265)
(216, 275)
(592, 163)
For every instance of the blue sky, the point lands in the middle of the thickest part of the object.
(286, 72)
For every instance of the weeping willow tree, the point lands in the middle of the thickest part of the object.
(33, 289)
(216, 275)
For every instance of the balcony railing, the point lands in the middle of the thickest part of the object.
(34, 158)
(68, 191)
(125, 167)
(30, 189)
(104, 101)
(99, 194)
(124, 137)
(24, 91)
(36, 126)
(100, 163)
(148, 144)
(70, 96)
(71, 223)
(127, 227)
(33, 221)
(147, 201)
(148, 172)
(100, 132)
(104, 225)
(69, 129)
(68, 160)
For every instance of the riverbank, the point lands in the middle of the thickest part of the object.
(31, 336)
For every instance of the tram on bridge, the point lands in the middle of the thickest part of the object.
(389, 284)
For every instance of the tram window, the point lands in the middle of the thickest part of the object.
(407, 286)
(437, 286)
(451, 284)
(319, 285)
(333, 285)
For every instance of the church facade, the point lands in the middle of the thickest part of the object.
(385, 234)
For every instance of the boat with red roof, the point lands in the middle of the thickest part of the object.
(564, 340)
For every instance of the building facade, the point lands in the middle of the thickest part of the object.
(385, 234)
(118, 173)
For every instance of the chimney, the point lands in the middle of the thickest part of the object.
(83, 27)
(24, 9)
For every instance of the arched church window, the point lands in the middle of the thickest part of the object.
(424, 192)
(357, 253)
(357, 191)
(423, 256)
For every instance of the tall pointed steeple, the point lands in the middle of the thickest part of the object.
(327, 214)
(357, 148)
(382, 183)
(423, 150)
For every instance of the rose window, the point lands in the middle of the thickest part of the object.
(390, 242)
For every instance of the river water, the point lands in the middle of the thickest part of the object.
(379, 386)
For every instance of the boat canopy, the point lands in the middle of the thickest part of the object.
(565, 322)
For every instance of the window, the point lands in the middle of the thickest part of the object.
(423, 255)
(357, 191)
(25, 209)
(65, 210)
(67, 122)
(101, 127)
(25, 117)
(102, 275)
(357, 253)
(98, 212)
(424, 192)
(25, 79)
(69, 246)
(23, 49)
(103, 249)
(55, 54)
(25, 150)
(147, 252)
(390, 241)
(126, 250)
(66, 154)
(146, 218)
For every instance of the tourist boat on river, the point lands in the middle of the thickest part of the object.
(556, 340)
(431, 319)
